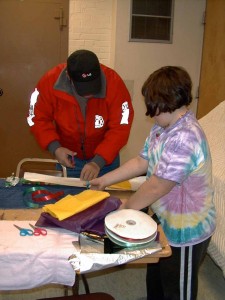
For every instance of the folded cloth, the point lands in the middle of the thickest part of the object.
(31, 261)
(89, 220)
(71, 205)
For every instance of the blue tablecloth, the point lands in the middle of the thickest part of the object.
(13, 197)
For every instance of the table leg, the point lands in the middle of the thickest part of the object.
(75, 287)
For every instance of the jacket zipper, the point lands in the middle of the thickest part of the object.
(82, 136)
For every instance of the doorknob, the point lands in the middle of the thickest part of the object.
(1, 92)
(62, 20)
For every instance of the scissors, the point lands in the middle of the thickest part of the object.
(24, 231)
(38, 231)
(29, 232)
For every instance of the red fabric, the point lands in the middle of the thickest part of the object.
(57, 115)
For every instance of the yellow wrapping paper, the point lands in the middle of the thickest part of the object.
(71, 205)
(123, 185)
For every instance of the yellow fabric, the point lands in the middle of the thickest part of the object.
(71, 205)
(124, 185)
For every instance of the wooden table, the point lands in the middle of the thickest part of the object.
(34, 214)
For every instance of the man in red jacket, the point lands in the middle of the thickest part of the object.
(81, 112)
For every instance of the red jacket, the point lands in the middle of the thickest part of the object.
(57, 116)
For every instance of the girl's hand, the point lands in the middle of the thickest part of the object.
(124, 204)
(97, 184)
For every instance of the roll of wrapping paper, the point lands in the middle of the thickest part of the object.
(124, 186)
(128, 185)
(35, 177)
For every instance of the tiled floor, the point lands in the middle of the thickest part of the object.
(211, 281)
(128, 283)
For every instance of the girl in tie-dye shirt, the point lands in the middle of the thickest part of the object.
(181, 154)
(177, 161)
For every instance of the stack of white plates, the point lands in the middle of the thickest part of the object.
(130, 228)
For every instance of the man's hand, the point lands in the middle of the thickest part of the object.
(62, 155)
(89, 171)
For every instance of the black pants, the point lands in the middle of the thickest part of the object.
(176, 277)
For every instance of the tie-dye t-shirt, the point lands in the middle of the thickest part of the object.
(180, 153)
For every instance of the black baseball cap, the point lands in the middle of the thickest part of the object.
(83, 68)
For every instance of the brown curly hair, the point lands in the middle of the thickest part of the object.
(166, 90)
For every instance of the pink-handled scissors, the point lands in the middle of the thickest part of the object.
(38, 231)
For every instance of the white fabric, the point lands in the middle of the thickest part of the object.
(30, 261)
(213, 125)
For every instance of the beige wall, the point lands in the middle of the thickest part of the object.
(103, 27)
(92, 27)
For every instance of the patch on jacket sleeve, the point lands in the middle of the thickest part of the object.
(33, 101)
(125, 113)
